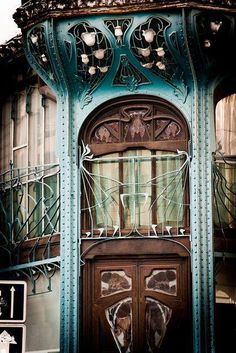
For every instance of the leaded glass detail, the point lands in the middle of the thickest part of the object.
(162, 281)
(119, 317)
(114, 282)
(158, 316)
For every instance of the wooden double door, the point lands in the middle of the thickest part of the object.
(136, 305)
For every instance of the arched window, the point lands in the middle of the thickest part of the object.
(134, 170)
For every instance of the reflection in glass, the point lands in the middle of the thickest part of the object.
(162, 281)
(35, 208)
(119, 317)
(114, 282)
(50, 132)
(105, 181)
(136, 193)
(158, 316)
(170, 186)
(20, 121)
(226, 125)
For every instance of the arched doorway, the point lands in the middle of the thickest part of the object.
(135, 226)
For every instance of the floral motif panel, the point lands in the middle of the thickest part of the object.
(114, 282)
(162, 281)
(94, 57)
(136, 124)
(119, 317)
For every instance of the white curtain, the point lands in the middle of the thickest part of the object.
(50, 132)
(226, 125)
(35, 130)
(225, 179)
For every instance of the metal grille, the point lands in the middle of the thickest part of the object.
(137, 203)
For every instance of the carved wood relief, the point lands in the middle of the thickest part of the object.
(134, 123)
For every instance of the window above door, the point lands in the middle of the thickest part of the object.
(134, 170)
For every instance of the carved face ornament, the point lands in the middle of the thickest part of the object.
(137, 126)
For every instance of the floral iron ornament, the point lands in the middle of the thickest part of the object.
(94, 57)
(118, 28)
(38, 47)
(149, 46)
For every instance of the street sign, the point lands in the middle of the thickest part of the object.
(12, 338)
(13, 301)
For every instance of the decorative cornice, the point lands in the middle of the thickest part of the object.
(12, 49)
(35, 11)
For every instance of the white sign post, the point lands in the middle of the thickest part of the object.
(12, 315)
(13, 301)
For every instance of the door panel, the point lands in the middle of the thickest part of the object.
(137, 306)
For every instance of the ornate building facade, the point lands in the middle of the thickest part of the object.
(124, 198)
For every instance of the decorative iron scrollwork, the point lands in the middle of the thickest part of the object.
(128, 75)
(118, 28)
(94, 58)
(38, 48)
(150, 47)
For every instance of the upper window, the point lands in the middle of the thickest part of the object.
(226, 125)
(29, 171)
(225, 165)
(134, 170)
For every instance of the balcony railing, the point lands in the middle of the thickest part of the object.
(29, 211)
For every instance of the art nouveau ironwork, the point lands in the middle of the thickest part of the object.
(197, 73)
(127, 205)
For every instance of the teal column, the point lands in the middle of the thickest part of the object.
(187, 79)
(42, 54)
(208, 37)
(201, 224)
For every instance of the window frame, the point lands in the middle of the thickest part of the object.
(116, 111)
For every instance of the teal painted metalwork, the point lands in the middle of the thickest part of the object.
(54, 76)
(188, 83)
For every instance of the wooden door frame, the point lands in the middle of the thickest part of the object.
(127, 249)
